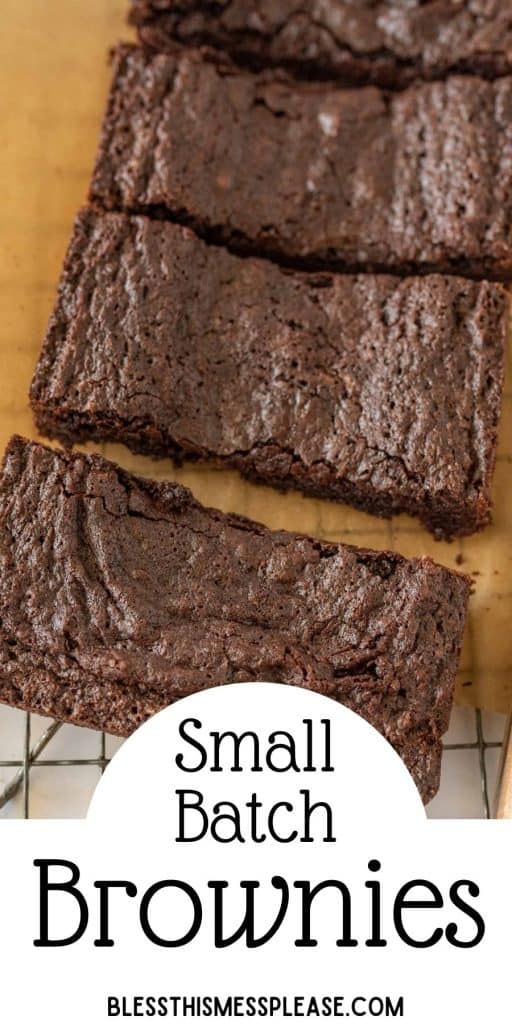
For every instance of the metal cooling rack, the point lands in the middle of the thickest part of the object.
(481, 745)
(32, 758)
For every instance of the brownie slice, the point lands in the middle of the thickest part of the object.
(312, 174)
(387, 43)
(119, 595)
(380, 391)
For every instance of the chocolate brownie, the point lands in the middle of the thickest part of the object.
(119, 595)
(312, 174)
(389, 42)
(376, 390)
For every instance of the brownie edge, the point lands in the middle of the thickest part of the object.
(119, 595)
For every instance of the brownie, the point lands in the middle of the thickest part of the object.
(311, 174)
(357, 41)
(376, 390)
(119, 595)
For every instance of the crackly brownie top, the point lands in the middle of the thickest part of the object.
(137, 583)
(312, 172)
(396, 382)
(400, 38)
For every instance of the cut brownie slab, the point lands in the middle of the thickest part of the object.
(379, 391)
(387, 42)
(119, 595)
(312, 174)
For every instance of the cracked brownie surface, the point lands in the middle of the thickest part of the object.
(380, 391)
(383, 41)
(311, 174)
(119, 595)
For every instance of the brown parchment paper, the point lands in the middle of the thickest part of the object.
(54, 78)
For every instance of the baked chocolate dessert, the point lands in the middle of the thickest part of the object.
(387, 42)
(119, 595)
(311, 174)
(379, 391)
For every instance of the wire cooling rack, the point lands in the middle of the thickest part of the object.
(31, 758)
(34, 756)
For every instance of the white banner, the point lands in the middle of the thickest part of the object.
(255, 851)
